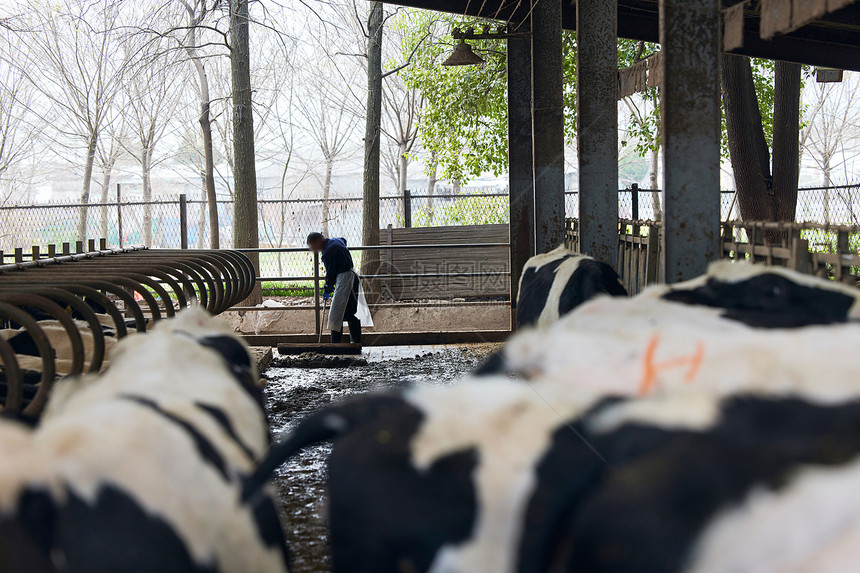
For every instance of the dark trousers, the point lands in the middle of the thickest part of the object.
(350, 318)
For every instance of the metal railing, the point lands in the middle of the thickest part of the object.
(317, 278)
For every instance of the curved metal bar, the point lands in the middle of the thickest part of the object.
(138, 288)
(104, 301)
(53, 309)
(247, 268)
(245, 284)
(159, 290)
(173, 278)
(211, 284)
(212, 270)
(14, 382)
(43, 345)
(92, 319)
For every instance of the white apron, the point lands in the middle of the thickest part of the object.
(340, 298)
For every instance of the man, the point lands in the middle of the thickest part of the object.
(341, 285)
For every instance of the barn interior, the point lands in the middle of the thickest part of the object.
(114, 292)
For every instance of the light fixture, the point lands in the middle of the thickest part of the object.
(463, 56)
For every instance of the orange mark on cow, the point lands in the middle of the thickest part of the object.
(651, 368)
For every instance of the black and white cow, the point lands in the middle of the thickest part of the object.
(554, 283)
(140, 468)
(494, 476)
(739, 325)
(551, 286)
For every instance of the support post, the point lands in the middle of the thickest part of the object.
(548, 129)
(597, 133)
(317, 293)
(690, 36)
(119, 215)
(407, 208)
(520, 163)
(183, 221)
(634, 201)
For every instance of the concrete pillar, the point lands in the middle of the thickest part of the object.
(520, 161)
(689, 34)
(597, 133)
(548, 117)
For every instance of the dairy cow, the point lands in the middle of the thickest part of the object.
(737, 324)
(551, 286)
(140, 468)
(554, 283)
(494, 476)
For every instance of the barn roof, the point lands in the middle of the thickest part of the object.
(822, 33)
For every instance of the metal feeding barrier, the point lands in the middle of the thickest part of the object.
(61, 315)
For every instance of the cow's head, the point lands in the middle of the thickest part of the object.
(768, 297)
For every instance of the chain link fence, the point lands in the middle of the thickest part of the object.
(286, 223)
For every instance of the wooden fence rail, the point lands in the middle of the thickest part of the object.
(829, 251)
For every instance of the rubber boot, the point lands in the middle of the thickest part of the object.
(355, 331)
(336, 337)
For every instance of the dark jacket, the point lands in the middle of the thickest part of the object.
(336, 259)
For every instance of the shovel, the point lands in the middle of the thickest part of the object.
(322, 324)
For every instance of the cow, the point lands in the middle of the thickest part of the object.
(739, 325)
(495, 476)
(140, 468)
(551, 286)
(554, 283)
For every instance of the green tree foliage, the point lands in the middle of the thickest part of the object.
(465, 118)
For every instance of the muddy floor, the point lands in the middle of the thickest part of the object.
(293, 393)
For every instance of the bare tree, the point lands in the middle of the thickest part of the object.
(402, 106)
(197, 11)
(152, 99)
(110, 147)
(245, 226)
(830, 137)
(19, 126)
(76, 64)
(329, 122)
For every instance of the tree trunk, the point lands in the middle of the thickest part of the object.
(85, 191)
(329, 167)
(763, 195)
(373, 123)
(209, 162)
(827, 182)
(201, 215)
(245, 232)
(145, 160)
(786, 139)
(748, 149)
(431, 185)
(106, 174)
(655, 185)
(402, 172)
(206, 128)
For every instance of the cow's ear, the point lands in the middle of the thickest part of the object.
(230, 349)
(695, 297)
(495, 364)
(238, 360)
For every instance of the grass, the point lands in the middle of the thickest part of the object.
(294, 289)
